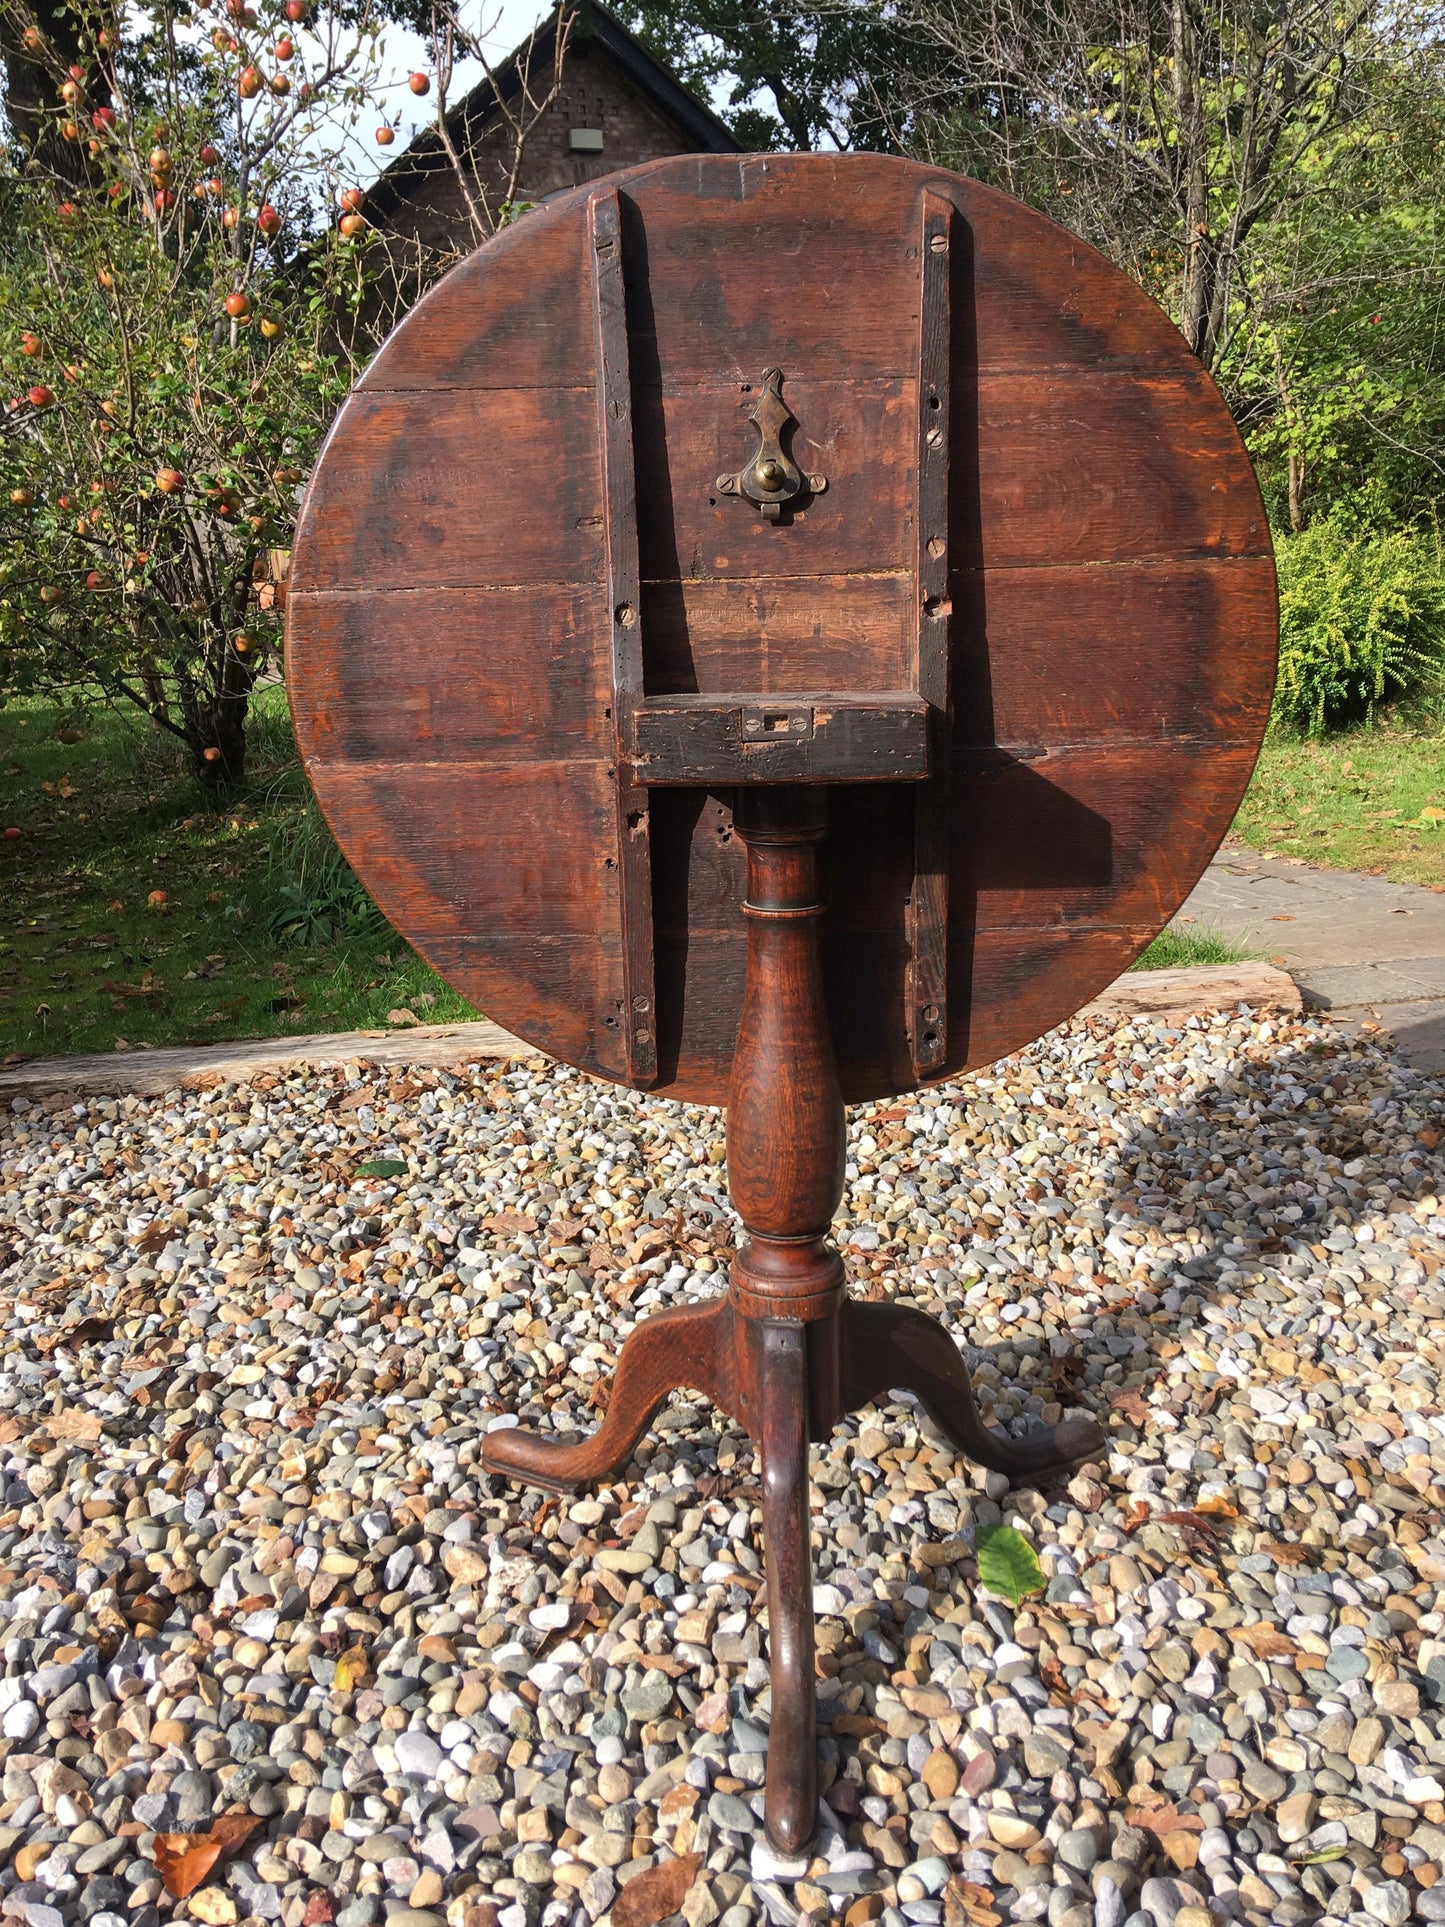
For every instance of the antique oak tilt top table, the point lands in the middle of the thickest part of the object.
(774, 630)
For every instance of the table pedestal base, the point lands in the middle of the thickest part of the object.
(786, 1381)
(785, 1353)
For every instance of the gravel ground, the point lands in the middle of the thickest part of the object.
(249, 1566)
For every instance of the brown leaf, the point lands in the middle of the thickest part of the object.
(1216, 1506)
(657, 1893)
(1287, 1555)
(966, 1904)
(184, 1859)
(1191, 1521)
(1131, 1404)
(510, 1224)
(1266, 1642)
(1137, 1514)
(75, 1423)
(1162, 1820)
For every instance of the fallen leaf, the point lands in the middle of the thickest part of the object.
(966, 1904)
(657, 1893)
(75, 1423)
(510, 1224)
(351, 1669)
(184, 1859)
(1131, 1404)
(1216, 1506)
(1162, 1820)
(1266, 1642)
(1287, 1555)
(1138, 1512)
(1193, 1521)
(402, 1017)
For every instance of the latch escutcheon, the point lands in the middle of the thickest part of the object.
(771, 478)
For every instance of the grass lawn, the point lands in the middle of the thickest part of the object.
(1357, 802)
(139, 913)
(136, 912)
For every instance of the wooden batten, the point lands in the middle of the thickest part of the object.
(928, 913)
(634, 1019)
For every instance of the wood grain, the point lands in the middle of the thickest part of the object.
(1109, 595)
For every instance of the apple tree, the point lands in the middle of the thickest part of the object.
(175, 294)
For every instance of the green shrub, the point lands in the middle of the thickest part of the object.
(1362, 622)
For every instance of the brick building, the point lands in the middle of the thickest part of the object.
(615, 105)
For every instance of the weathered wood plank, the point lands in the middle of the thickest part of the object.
(450, 675)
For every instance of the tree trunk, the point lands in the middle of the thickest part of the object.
(215, 720)
(30, 88)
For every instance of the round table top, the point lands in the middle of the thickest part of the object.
(1108, 608)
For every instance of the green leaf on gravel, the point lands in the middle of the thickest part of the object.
(381, 1168)
(1007, 1563)
(1324, 1856)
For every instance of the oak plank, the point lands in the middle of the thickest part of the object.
(470, 488)
(448, 675)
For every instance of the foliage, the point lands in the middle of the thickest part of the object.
(1007, 1563)
(108, 817)
(1362, 623)
(172, 349)
(1337, 368)
(794, 77)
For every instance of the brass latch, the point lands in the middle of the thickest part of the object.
(771, 478)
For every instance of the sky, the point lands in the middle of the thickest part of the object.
(504, 24)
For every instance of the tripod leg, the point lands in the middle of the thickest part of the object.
(689, 1345)
(890, 1345)
(791, 1799)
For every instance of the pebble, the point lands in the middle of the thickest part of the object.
(249, 1556)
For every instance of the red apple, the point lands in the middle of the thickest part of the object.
(159, 160)
(212, 754)
(70, 92)
(33, 40)
(249, 83)
(11, 833)
(76, 72)
(40, 396)
(268, 220)
(285, 48)
(238, 305)
(352, 224)
(280, 84)
(69, 131)
(297, 11)
(419, 84)
(30, 344)
(103, 119)
(353, 199)
(50, 594)
(66, 210)
(96, 581)
(385, 135)
(169, 480)
(21, 498)
(209, 155)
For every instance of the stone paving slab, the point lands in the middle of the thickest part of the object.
(1367, 950)
(1316, 917)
